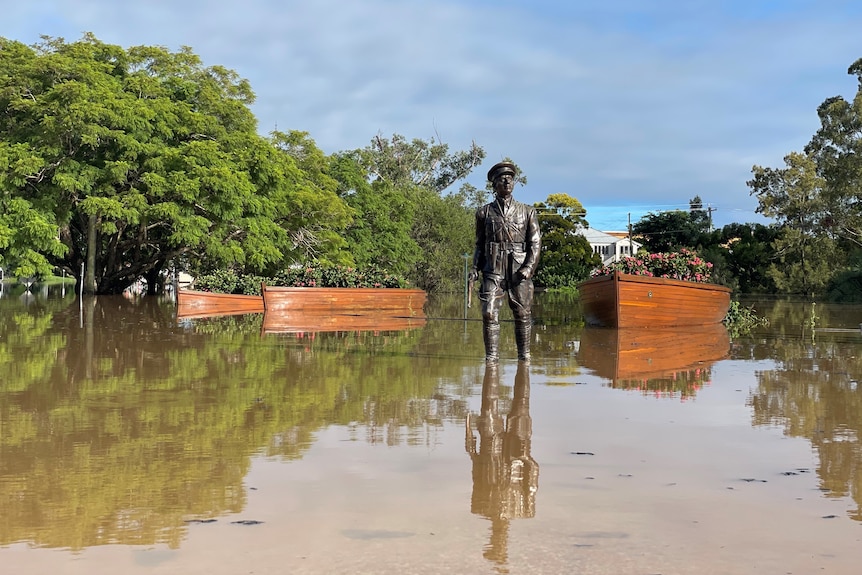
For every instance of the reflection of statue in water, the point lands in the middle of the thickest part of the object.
(508, 244)
(505, 476)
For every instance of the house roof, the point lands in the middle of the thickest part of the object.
(619, 235)
(596, 237)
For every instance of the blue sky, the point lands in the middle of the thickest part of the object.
(629, 106)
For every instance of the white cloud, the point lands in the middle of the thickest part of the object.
(614, 103)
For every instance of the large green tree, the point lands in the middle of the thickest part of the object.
(426, 163)
(380, 232)
(670, 230)
(816, 198)
(747, 255)
(445, 230)
(806, 254)
(408, 218)
(836, 150)
(318, 216)
(566, 255)
(142, 157)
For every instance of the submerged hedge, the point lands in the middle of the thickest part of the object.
(312, 275)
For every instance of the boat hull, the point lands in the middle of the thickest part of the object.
(381, 301)
(199, 304)
(631, 301)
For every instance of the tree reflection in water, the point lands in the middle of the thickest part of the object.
(814, 393)
(119, 424)
(505, 475)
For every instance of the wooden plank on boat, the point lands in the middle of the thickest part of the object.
(195, 304)
(629, 301)
(393, 301)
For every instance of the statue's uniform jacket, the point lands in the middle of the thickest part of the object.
(507, 240)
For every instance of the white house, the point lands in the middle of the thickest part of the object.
(611, 246)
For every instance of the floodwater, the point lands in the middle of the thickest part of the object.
(131, 442)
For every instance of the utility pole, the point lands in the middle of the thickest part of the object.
(631, 243)
(466, 257)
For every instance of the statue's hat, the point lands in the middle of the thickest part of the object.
(501, 168)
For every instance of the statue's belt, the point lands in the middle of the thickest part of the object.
(510, 246)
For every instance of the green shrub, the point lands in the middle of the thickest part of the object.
(741, 320)
(315, 275)
(312, 275)
(219, 281)
(846, 287)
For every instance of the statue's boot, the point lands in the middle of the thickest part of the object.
(491, 334)
(523, 335)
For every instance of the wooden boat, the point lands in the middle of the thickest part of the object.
(384, 301)
(196, 304)
(315, 321)
(655, 353)
(627, 301)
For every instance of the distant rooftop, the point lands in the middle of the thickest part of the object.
(596, 236)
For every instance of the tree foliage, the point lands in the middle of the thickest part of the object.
(567, 257)
(407, 218)
(136, 158)
(805, 252)
(423, 163)
(741, 254)
(816, 198)
(384, 215)
(318, 216)
(746, 252)
(445, 232)
(671, 230)
(836, 150)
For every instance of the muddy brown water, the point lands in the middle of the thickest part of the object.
(131, 442)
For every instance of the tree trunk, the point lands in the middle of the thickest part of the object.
(155, 284)
(90, 271)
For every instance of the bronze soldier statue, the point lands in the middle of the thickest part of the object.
(508, 242)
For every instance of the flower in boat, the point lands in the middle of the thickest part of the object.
(684, 264)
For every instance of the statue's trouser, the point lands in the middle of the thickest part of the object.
(494, 290)
(491, 335)
(523, 333)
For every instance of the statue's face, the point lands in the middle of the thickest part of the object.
(503, 185)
